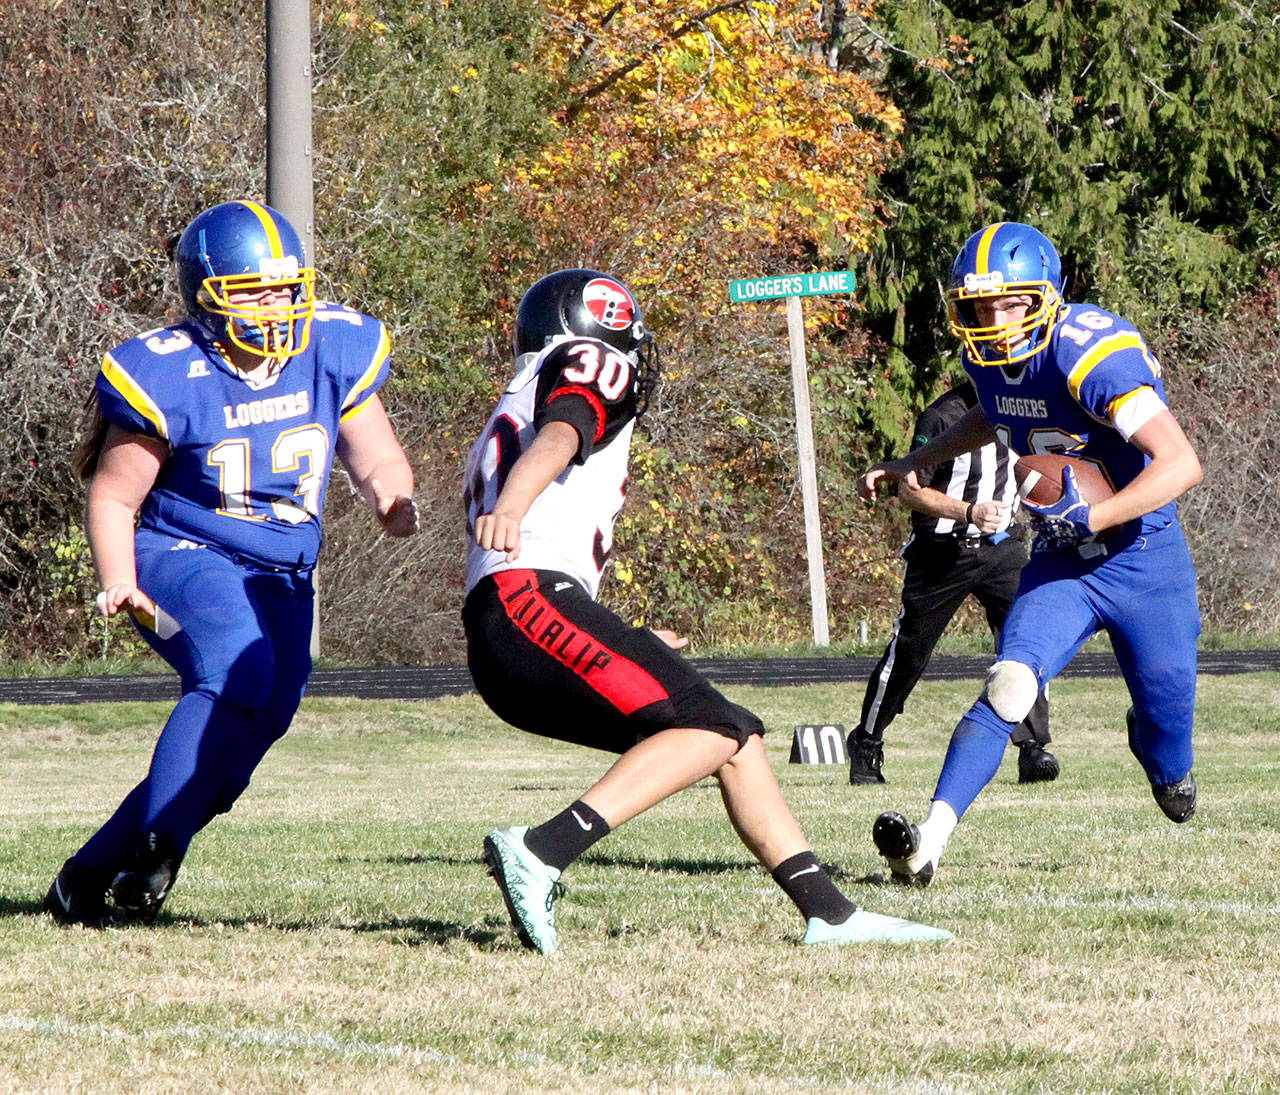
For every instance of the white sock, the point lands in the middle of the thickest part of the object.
(936, 829)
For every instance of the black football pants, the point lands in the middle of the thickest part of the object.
(941, 572)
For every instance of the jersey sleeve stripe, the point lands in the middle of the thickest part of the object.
(269, 227)
(1126, 340)
(134, 395)
(1133, 410)
(358, 394)
(351, 412)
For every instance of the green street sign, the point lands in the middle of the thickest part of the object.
(791, 285)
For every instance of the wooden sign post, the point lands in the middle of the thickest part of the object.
(793, 287)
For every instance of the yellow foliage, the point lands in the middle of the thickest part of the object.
(697, 133)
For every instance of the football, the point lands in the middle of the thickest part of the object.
(1039, 478)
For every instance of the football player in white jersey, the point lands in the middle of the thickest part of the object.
(544, 484)
(208, 472)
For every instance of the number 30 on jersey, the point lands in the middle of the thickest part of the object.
(607, 369)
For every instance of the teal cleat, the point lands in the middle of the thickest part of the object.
(869, 927)
(529, 887)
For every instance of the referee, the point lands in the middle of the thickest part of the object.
(960, 545)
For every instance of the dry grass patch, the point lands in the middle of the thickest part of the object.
(336, 931)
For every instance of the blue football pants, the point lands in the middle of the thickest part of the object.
(243, 654)
(1144, 597)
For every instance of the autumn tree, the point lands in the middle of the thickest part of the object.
(464, 147)
(420, 110)
(697, 143)
(118, 122)
(695, 138)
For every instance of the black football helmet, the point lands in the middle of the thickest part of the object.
(588, 304)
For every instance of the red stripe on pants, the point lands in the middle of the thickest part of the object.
(618, 679)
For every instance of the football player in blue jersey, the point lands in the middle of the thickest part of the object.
(207, 473)
(1075, 379)
(543, 487)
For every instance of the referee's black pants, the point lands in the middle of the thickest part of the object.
(941, 572)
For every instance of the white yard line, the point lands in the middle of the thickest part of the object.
(270, 1038)
(12, 1023)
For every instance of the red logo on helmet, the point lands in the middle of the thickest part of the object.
(609, 304)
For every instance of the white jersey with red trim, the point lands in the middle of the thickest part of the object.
(569, 527)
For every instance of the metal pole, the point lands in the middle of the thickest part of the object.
(289, 168)
(808, 474)
(289, 116)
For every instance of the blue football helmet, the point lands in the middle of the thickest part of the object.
(239, 248)
(1005, 259)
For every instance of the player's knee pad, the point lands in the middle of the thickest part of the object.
(1011, 690)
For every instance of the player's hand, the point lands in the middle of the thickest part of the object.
(498, 532)
(887, 473)
(676, 642)
(400, 518)
(397, 513)
(123, 595)
(989, 516)
(1066, 522)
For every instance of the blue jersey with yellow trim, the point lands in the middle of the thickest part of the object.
(249, 460)
(1083, 395)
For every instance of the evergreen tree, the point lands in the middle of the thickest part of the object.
(1140, 136)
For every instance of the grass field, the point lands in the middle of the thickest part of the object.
(337, 933)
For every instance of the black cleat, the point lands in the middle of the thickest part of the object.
(1035, 763)
(898, 840)
(140, 889)
(866, 755)
(78, 896)
(1177, 800)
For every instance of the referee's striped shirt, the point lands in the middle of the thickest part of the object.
(975, 477)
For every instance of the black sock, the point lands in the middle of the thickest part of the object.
(806, 882)
(566, 836)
